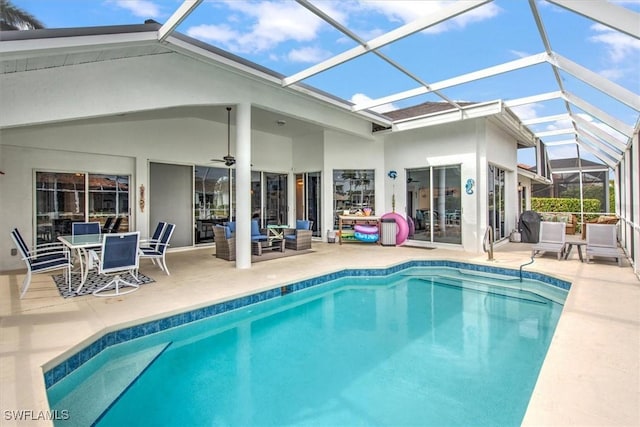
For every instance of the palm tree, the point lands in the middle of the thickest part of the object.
(14, 18)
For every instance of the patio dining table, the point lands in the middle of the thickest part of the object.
(81, 244)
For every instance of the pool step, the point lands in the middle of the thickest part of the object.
(91, 397)
(494, 276)
(486, 286)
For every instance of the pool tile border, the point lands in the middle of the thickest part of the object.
(58, 372)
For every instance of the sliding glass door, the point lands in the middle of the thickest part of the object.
(433, 204)
(276, 200)
(212, 200)
(496, 202)
(308, 199)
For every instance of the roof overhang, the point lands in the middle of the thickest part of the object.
(493, 110)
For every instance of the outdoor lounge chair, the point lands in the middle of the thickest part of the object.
(115, 227)
(107, 224)
(602, 241)
(157, 251)
(119, 255)
(299, 238)
(225, 242)
(42, 259)
(551, 239)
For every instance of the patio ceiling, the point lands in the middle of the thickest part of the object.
(588, 125)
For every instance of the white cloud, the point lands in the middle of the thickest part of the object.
(141, 8)
(527, 111)
(519, 53)
(359, 98)
(406, 11)
(620, 45)
(560, 124)
(308, 55)
(222, 34)
(273, 24)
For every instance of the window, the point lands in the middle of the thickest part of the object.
(353, 190)
(62, 198)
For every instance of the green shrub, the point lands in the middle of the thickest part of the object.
(544, 204)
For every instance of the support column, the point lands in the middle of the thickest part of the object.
(243, 185)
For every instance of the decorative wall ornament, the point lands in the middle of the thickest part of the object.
(469, 186)
(141, 202)
(393, 175)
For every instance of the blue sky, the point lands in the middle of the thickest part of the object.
(287, 38)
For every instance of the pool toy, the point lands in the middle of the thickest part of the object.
(366, 233)
(366, 229)
(403, 227)
(366, 237)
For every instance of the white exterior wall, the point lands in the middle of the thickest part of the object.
(348, 152)
(448, 144)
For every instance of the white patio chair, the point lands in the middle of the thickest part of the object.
(602, 241)
(157, 252)
(42, 259)
(551, 238)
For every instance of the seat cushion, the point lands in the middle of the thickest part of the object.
(232, 227)
(255, 228)
(302, 224)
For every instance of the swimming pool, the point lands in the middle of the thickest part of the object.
(420, 344)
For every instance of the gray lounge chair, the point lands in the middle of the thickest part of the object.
(602, 241)
(551, 239)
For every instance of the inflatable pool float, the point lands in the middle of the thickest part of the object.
(367, 237)
(403, 228)
(366, 229)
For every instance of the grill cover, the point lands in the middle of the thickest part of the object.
(530, 226)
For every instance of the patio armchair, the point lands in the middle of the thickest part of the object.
(156, 251)
(602, 241)
(225, 242)
(42, 259)
(257, 234)
(552, 239)
(299, 238)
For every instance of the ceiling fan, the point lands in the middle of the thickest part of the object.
(228, 160)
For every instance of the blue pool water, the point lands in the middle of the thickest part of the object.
(423, 346)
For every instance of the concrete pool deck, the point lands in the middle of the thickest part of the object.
(591, 375)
